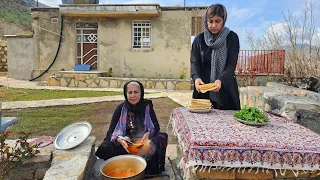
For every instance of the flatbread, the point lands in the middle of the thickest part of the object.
(199, 104)
(209, 86)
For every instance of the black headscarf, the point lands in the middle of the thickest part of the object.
(141, 105)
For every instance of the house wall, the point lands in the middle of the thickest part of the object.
(20, 57)
(46, 39)
(169, 55)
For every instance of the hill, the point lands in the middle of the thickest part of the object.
(15, 16)
(17, 11)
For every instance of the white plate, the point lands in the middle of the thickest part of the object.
(72, 135)
(250, 123)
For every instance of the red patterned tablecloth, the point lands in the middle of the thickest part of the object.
(216, 139)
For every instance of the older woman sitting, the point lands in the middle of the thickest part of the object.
(135, 118)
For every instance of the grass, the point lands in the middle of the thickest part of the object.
(49, 121)
(46, 121)
(18, 94)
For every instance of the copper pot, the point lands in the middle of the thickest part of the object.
(129, 167)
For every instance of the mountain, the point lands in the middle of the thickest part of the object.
(17, 11)
(299, 46)
(33, 3)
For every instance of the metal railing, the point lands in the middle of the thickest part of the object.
(261, 62)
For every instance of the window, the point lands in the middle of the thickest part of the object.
(141, 34)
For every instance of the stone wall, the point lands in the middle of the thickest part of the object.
(94, 79)
(20, 56)
(3, 57)
(97, 80)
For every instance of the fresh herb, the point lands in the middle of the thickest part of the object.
(251, 114)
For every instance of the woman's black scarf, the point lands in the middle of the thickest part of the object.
(141, 105)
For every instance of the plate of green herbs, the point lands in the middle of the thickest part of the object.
(251, 116)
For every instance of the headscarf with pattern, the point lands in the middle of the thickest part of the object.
(218, 44)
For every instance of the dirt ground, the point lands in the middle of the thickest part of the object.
(99, 118)
(28, 171)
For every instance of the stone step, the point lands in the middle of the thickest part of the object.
(44, 154)
(72, 163)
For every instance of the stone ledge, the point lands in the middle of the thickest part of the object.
(43, 156)
(67, 79)
(295, 91)
(4, 74)
(72, 163)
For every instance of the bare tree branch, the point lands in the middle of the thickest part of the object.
(302, 49)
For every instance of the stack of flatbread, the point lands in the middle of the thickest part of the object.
(199, 104)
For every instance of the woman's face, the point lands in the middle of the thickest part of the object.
(215, 24)
(133, 94)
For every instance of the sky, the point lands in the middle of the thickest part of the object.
(243, 15)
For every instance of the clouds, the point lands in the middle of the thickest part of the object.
(302, 35)
(279, 29)
(238, 12)
(52, 3)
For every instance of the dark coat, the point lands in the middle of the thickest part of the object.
(201, 68)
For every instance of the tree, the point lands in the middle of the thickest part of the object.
(297, 36)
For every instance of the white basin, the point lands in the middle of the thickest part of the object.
(72, 135)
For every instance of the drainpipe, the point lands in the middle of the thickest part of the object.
(55, 57)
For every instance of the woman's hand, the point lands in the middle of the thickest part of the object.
(123, 143)
(197, 83)
(145, 137)
(218, 87)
